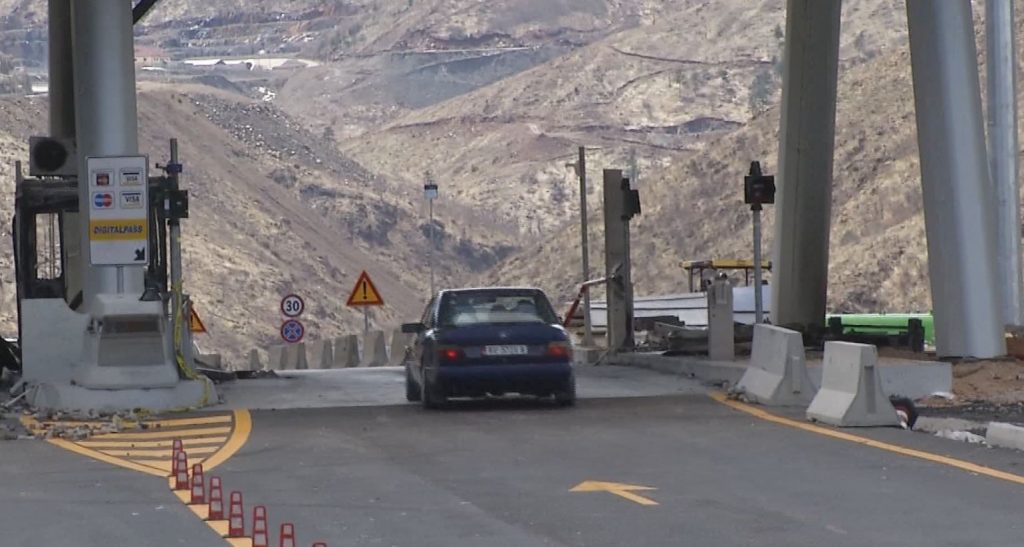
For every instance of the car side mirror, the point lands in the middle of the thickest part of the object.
(413, 328)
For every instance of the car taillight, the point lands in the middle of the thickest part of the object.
(559, 350)
(450, 354)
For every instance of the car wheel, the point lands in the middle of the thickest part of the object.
(412, 390)
(567, 397)
(429, 395)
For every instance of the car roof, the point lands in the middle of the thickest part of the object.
(477, 289)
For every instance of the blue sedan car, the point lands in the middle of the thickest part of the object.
(489, 342)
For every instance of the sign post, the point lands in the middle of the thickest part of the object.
(292, 330)
(364, 295)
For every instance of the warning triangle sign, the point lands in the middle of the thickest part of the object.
(365, 293)
(195, 324)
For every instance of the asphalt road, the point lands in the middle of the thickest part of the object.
(500, 474)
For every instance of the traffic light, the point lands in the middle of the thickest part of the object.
(758, 189)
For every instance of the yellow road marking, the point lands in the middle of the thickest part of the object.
(68, 445)
(920, 454)
(165, 434)
(242, 429)
(160, 453)
(622, 490)
(169, 443)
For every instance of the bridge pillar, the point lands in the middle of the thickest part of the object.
(806, 146)
(959, 205)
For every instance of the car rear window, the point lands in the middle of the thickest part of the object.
(498, 306)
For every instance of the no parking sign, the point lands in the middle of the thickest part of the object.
(292, 331)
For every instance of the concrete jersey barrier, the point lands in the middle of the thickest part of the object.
(777, 373)
(346, 352)
(851, 391)
(400, 342)
(375, 352)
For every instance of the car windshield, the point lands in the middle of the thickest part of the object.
(495, 306)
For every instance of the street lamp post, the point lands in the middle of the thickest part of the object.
(430, 192)
(581, 171)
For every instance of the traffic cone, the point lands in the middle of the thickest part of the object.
(260, 535)
(216, 500)
(287, 535)
(176, 447)
(181, 473)
(236, 516)
(198, 485)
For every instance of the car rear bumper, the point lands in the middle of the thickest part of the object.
(527, 379)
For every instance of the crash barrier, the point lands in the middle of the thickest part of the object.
(851, 391)
(910, 335)
(375, 350)
(370, 350)
(214, 503)
(777, 373)
(400, 343)
(346, 351)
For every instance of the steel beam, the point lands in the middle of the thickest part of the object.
(1002, 152)
(958, 201)
(806, 146)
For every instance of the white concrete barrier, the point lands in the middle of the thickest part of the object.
(400, 343)
(325, 354)
(375, 351)
(1004, 435)
(346, 351)
(851, 392)
(777, 373)
(276, 357)
(299, 356)
(254, 361)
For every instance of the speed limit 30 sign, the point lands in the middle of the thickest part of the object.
(292, 305)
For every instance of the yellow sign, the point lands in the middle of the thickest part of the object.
(117, 230)
(365, 293)
(621, 490)
(195, 324)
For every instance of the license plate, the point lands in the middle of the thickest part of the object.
(504, 350)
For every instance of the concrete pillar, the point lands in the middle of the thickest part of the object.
(106, 115)
(958, 202)
(806, 144)
(62, 126)
(721, 331)
(1002, 152)
(616, 259)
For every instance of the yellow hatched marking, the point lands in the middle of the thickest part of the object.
(160, 453)
(169, 443)
(166, 434)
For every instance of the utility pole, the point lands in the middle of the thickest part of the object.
(430, 192)
(588, 328)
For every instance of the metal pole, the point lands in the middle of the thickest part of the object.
(106, 116)
(366, 321)
(177, 312)
(758, 296)
(1002, 152)
(588, 327)
(430, 255)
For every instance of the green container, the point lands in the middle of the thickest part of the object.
(896, 320)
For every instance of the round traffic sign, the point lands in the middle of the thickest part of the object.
(292, 305)
(292, 331)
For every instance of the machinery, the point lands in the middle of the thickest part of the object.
(101, 314)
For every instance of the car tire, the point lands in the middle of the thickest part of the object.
(567, 397)
(430, 396)
(412, 389)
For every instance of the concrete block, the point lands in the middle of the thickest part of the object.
(1005, 435)
(400, 343)
(299, 359)
(851, 391)
(375, 351)
(276, 356)
(777, 373)
(254, 364)
(346, 351)
(325, 354)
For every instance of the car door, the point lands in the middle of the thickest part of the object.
(421, 345)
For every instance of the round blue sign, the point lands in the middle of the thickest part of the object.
(292, 331)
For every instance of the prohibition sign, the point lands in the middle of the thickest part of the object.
(292, 331)
(293, 305)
